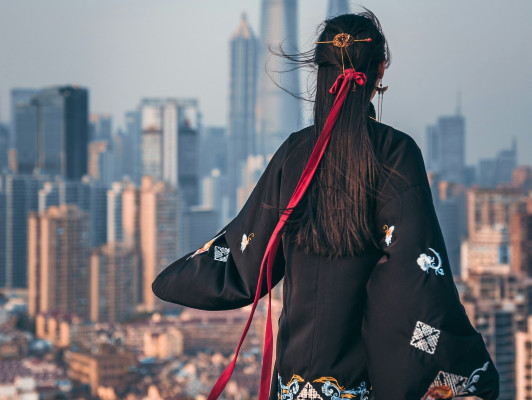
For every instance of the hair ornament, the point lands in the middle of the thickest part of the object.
(343, 40)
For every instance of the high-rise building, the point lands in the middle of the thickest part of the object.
(521, 240)
(170, 143)
(101, 162)
(4, 147)
(494, 171)
(278, 113)
(337, 7)
(101, 127)
(161, 232)
(112, 283)
(446, 148)
(59, 261)
(24, 129)
(496, 324)
(19, 196)
(62, 131)
(523, 363)
(492, 208)
(114, 214)
(131, 164)
(213, 150)
(88, 195)
(487, 248)
(244, 52)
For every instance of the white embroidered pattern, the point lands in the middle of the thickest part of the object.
(426, 263)
(389, 232)
(221, 253)
(453, 381)
(245, 241)
(309, 393)
(425, 337)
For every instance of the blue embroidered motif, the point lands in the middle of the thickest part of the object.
(287, 392)
(335, 391)
(469, 386)
(330, 388)
(426, 263)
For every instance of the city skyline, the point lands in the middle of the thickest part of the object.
(427, 52)
(166, 163)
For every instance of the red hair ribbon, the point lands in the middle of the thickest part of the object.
(343, 81)
(349, 74)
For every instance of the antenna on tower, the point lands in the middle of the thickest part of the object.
(459, 103)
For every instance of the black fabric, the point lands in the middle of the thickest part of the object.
(388, 323)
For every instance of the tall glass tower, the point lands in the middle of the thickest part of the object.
(337, 7)
(242, 103)
(278, 113)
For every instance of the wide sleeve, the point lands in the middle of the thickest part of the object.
(419, 340)
(223, 274)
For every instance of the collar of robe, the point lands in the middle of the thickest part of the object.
(342, 85)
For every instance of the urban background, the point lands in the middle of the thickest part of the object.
(93, 205)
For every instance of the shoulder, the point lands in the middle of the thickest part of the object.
(402, 163)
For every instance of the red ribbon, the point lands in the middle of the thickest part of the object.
(349, 74)
(343, 82)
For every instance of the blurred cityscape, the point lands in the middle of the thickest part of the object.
(90, 214)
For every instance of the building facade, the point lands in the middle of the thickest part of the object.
(278, 112)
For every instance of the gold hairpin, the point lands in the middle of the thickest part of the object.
(343, 40)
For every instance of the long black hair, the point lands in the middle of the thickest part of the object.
(335, 217)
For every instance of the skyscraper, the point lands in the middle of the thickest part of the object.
(170, 143)
(59, 254)
(278, 113)
(493, 171)
(161, 236)
(62, 131)
(19, 196)
(112, 283)
(337, 7)
(242, 103)
(4, 147)
(24, 129)
(446, 148)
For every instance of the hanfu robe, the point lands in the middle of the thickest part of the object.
(386, 324)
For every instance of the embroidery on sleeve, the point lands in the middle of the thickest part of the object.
(309, 393)
(438, 392)
(445, 386)
(205, 247)
(245, 241)
(287, 392)
(331, 388)
(221, 253)
(388, 232)
(469, 387)
(426, 263)
(425, 337)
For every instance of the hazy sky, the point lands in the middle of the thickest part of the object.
(123, 50)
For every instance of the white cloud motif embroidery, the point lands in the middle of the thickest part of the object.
(426, 263)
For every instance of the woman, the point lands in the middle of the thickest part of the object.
(369, 303)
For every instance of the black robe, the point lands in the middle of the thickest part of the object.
(387, 324)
